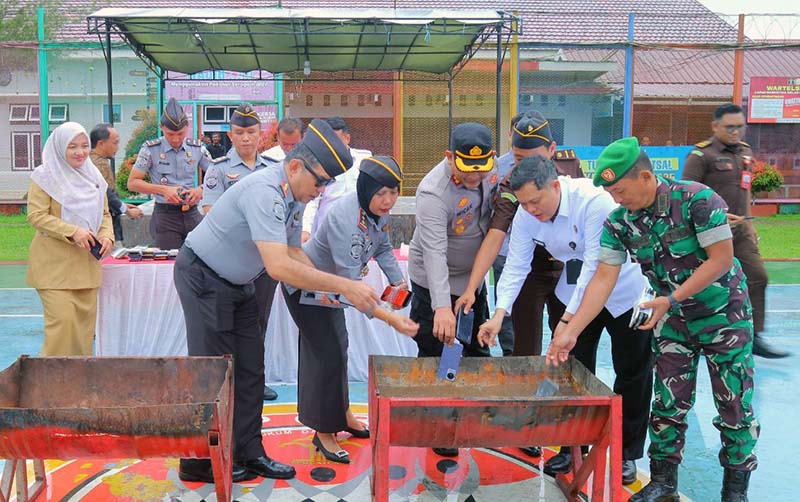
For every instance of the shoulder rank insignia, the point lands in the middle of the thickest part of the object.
(567, 154)
(219, 159)
(193, 142)
(386, 227)
(455, 180)
(362, 219)
(153, 142)
(233, 176)
(703, 144)
(285, 188)
(744, 144)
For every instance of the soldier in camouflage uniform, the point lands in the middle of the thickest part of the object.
(678, 232)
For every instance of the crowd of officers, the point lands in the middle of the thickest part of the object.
(585, 249)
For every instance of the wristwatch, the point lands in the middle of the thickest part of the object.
(673, 303)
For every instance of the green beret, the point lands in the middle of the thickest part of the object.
(327, 148)
(174, 118)
(244, 116)
(616, 160)
(383, 169)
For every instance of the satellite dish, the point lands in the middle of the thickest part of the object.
(5, 76)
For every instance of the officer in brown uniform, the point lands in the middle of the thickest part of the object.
(725, 163)
(530, 136)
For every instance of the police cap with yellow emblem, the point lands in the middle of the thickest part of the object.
(174, 118)
(616, 160)
(471, 144)
(244, 116)
(332, 154)
(531, 131)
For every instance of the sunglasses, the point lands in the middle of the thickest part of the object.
(733, 128)
(320, 181)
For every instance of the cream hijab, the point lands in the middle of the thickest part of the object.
(82, 191)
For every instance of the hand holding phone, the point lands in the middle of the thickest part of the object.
(464, 324)
(96, 248)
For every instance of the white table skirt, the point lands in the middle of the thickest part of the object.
(139, 314)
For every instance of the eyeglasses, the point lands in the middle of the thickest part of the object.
(733, 128)
(320, 181)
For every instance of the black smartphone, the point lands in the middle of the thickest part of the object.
(464, 323)
(95, 249)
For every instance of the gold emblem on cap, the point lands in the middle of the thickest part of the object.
(475, 150)
(530, 128)
(608, 174)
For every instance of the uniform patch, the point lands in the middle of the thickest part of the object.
(468, 217)
(212, 180)
(279, 210)
(162, 156)
(189, 153)
(232, 176)
(697, 152)
(362, 220)
(296, 216)
(608, 174)
(460, 229)
(357, 246)
(386, 228)
(153, 142)
(164, 180)
(462, 202)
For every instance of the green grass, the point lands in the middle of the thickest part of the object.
(779, 236)
(15, 238)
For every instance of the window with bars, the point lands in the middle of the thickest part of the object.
(26, 150)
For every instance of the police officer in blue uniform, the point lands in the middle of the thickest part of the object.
(256, 224)
(355, 229)
(224, 171)
(174, 163)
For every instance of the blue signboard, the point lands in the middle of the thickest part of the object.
(667, 160)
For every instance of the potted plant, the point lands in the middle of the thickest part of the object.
(765, 179)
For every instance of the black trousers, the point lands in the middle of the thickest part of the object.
(170, 226)
(538, 291)
(632, 358)
(422, 313)
(223, 318)
(745, 249)
(322, 390)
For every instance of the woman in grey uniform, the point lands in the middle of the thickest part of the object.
(356, 229)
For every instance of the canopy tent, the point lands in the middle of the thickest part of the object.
(278, 40)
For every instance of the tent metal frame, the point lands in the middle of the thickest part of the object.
(502, 28)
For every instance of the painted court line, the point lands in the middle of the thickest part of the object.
(21, 315)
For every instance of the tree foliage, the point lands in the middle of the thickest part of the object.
(19, 23)
(147, 129)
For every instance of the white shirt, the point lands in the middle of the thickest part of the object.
(276, 152)
(583, 210)
(344, 184)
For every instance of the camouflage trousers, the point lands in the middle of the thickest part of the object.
(727, 343)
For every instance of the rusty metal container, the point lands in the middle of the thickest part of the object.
(493, 403)
(129, 407)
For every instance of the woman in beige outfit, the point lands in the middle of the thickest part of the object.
(68, 208)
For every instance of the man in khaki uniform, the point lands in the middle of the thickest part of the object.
(725, 163)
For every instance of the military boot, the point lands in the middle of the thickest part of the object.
(663, 485)
(734, 485)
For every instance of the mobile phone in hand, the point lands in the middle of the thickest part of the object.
(464, 323)
(96, 249)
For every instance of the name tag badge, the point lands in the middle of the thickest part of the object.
(574, 267)
(747, 180)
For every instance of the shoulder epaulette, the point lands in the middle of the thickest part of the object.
(193, 142)
(744, 144)
(153, 142)
(567, 154)
(362, 219)
(219, 159)
(703, 144)
(269, 159)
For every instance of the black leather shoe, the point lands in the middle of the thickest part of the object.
(531, 451)
(269, 393)
(628, 472)
(340, 456)
(561, 463)
(268, 468)
(762, 348)
(446, 452)
(199, 469)
(360, 434)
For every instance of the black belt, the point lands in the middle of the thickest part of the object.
(172, 207)
(199, 261)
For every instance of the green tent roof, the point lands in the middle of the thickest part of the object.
(282, 40)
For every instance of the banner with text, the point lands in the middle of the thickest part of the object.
(774, 100)
(667, 160)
